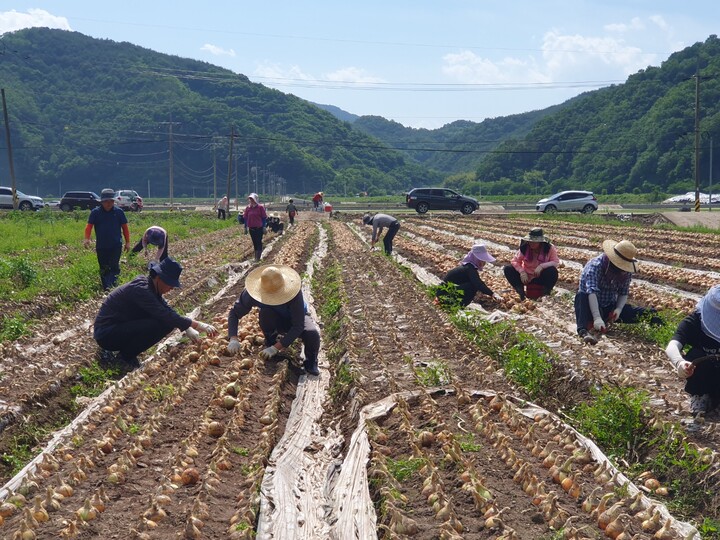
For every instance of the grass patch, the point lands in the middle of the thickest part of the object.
(160, 392)
(614, 419)
(436, 373)
(467, 443)
(93, 380)
(449, 296)
(659, 334)
(403, 469)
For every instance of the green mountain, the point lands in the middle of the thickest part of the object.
(86, 113)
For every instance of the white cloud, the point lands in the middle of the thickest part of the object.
(217, 51)
(634, 25)
(11, 21)
(275, 71)
(469, 68)
(660, 22)
(351, 75)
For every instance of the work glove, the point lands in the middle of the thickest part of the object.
(87, 242)
(599, 325)
(209, 329)
(246, 231)
(538, 271)
(234, 346)
(268, 353)
(524, 278)
(683, 367)
(497, 297)
(193, 334)
(614, 315)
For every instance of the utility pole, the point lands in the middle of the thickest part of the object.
(10, 155)
(230, 162)
(697, 139)
(248, 171)
(170, 139)
(237, 189)
(710, 189)
(214, 176)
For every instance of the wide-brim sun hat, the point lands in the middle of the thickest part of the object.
(107, 194)
(273, 284)
(480, 252)
(536, 235)
(621, 254)
(709, 307)
(169, 271)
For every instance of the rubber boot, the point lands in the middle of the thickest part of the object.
(311, 366)
(258, 252)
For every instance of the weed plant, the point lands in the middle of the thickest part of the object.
(404, 469)
(658, 334)
(615, 419)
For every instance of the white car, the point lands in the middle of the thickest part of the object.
(568, 201)
(25, 202)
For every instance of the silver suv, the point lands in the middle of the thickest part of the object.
(568, 201)
(25, 202)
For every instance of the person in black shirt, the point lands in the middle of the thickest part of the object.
(701, 331)
(274, 224)
(135, 316)
(466, 276)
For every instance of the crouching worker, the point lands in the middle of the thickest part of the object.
(154, 236)
(274, 224)
(534, 266)
(135, 316)
(467, 276)
(275, 291)
(603, 291)
(701, 331)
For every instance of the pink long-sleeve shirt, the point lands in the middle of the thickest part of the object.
(521, 263)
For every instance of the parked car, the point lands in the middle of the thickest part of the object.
(128, 199)
(25, 202)
(568, 201)
(424, 199)
(82, 200)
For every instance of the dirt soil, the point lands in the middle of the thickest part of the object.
(178, 448)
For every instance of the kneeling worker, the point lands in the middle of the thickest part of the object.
(135, 316)
(275, 290)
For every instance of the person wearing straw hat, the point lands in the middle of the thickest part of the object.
(317, 199)
(379, 222)
(109, 221)
(255, 218)
(701, 332)
(466, 277)
(135, 316)
(603, 291)
(276, 291)
(534, 266)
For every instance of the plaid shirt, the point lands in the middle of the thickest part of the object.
(595, 278)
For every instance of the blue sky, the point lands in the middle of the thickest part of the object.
(421, 63)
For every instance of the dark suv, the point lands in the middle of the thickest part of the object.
(84, 200)
(424, 199)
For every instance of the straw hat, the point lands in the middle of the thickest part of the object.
(273, 284)
(709, 307)
(621, 254)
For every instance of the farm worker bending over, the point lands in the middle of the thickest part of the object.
(466, 276)
(291, 210)
(534, 265)
(701, 331)
(378, 222)
(156, 236)
(135, 316)
(108, 220)
(604, 288)
(317, 199)
(255, 219)
(275, 290)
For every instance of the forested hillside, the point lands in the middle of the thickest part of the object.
(456, 147)
(88, 113)
(634, 137)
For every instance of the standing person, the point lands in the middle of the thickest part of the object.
(135, 316)
(291, 210)
(603, 291)
(466, 276)
(534, 265)
(109, 222)
(379, 222)
(223, 205)
(255, 220)
(275, 290)
(701, 331)
(155, 236)
(317, 199)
